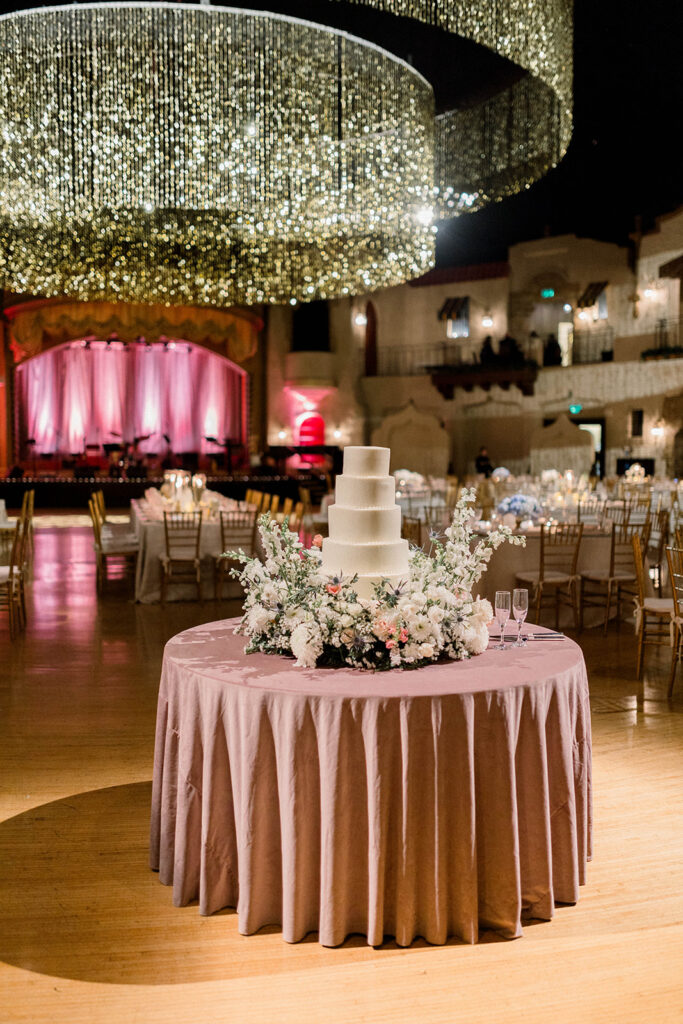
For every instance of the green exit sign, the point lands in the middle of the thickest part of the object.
(575, 409)
(547, 293)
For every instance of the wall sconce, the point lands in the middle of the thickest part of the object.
(658, 429)
(336, 433)
(583, 315)
(567, 307)
(487, 320)
(360, 320)
(282, 434)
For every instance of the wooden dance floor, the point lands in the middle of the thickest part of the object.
(88, 934)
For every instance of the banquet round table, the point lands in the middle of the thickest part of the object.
(434, 802)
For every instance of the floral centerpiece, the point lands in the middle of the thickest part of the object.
(520, 505)
(409, 482)
(291, 607)
(635, 474)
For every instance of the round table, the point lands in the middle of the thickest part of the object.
(431, 802)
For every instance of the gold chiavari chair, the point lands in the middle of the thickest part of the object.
(556, 577)
(287, 507)
(678, 536)
(181, 561)
(607, 587)
(659, 538)
(120, 531)
(674, 557)
(590, 510)
(107, 548)
(296, 517)
(411, 530)
(653, 614)
(27, 508)
(11, 584)
(238, 533)
(274, 504)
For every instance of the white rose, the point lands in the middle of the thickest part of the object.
(482, 612)
(426, 651)
(258, 618)
(305, 647)
(436, 614)
(478, 640)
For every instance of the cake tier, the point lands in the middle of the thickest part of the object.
(348, 557)
(363, 492)
(364, 525)
(365, 460)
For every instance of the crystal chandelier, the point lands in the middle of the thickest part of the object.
(202, 155)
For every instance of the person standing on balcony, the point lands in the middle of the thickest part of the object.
(483, 463)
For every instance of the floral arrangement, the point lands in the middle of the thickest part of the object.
(408, 481)
(291, 607)
(635, 473)
(551, 477)
(519, 505)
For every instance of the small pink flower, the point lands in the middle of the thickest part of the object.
(317, 541)
(333, 588)
(389, 644)
(403, 635)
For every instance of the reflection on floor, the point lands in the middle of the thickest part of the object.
(88, 934)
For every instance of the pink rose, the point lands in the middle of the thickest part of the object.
(403, 635)
(333, 588)
(389, 644)
(317, 541)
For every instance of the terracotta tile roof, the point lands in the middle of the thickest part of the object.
(474, 272)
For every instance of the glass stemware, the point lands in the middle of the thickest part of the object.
(520, 607)
(502, 607)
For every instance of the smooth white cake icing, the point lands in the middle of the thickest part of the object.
(365, 522)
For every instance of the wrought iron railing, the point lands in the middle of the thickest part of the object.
(403, 361)
(669, 333)
(593, 346)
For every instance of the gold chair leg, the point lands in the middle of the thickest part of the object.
(641, 642)
(539, 596)
(675, 655)
(574, 596)
(608, 607)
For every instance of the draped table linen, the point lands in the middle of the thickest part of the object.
(431, 803)
(147, 521)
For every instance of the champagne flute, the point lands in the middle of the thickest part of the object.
(520, 607)
(502, 615)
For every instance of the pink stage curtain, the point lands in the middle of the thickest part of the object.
(40, 380)
(109, 367)
(76, 365)
(73, 396)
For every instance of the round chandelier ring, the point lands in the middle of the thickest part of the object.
(182, 153)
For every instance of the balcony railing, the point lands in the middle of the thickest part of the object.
(414, 359)
(669, 333)
(404, 361)
(593, 346)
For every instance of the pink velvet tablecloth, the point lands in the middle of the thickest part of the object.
(429, 803)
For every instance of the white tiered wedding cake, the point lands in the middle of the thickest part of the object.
(365, 523)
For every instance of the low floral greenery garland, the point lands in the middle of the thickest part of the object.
(291, 607)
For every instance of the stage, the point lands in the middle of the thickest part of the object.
(68, 493)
